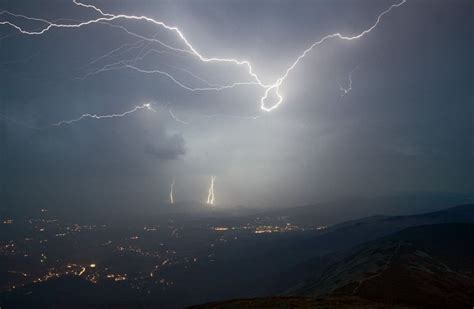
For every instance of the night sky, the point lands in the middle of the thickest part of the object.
(407, 124)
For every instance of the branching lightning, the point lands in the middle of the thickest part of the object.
(210, 195)
(136, 108)
(177, 82)
(176, 118)
(269, 89)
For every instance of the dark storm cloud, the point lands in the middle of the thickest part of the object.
(407, 123)
(173, 148)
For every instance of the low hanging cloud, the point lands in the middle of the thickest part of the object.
(170, 148)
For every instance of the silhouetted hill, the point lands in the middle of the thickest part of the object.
(422, 266)
(351, 233)
(293, 302)
(283, 264)
(311, 254)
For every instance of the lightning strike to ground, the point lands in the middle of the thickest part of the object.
(268, 89)
(210, 195)
(172, 191)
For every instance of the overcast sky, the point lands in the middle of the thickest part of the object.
(406, 125)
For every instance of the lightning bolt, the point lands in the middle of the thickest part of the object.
(198, 77)
(172, 192)
(176, 118)
(268, 89)
(182, 85)
(349, 86)
(136, 108)
(210, 195)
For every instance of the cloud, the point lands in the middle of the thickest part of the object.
(170, 148)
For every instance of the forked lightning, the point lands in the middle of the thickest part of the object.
(271, 98)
